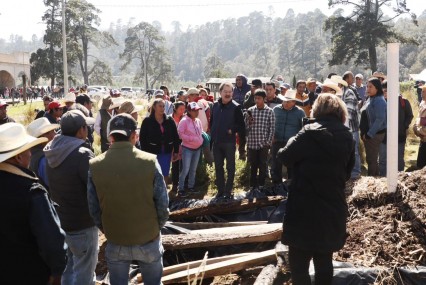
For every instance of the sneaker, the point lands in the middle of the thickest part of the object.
(193, 190)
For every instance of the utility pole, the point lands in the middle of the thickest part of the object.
(64, 49)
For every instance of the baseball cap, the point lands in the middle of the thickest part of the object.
(159, 92)
(359, 75)
(192, 91)
(83, 98)
(73, 120)
(55, 105)
(193, 106)
(122, 124)
(285, 86)
(256, 82)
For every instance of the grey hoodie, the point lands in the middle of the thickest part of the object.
(59, 148)
(67, 170)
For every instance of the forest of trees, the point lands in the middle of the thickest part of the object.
(296, 45)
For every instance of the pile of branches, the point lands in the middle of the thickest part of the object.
(387, 229)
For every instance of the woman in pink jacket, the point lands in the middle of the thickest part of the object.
(190, 131)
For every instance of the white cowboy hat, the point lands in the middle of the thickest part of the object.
(14, 140)
(339, 79)
(129, 108)
(40, 126)
(290, 95)
(116, 102)
(333, 85)
(70, 97)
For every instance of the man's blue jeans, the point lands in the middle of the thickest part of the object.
(190, 160)
(356, 171)
(149, 257)
(82, 256)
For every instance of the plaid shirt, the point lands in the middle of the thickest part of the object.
(261, 131)
(351, 102)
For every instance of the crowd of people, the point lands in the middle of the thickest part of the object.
(60, 194)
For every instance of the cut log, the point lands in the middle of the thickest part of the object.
(223, 236)
(232, 206)
(267, 275)
(222, 268)
(208, 225)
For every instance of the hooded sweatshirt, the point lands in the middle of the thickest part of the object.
(238, 94)
(67, 168)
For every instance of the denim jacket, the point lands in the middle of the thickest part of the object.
(376, 111)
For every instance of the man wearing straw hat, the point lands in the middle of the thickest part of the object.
(41, 128)
(30, 233)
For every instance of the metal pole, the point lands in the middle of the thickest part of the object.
(64, 49)
(392, 115)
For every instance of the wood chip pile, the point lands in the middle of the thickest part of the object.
(387, 229)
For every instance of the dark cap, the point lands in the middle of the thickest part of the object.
(256, 82)
(83, 98)
(122, 124)
(73, 120)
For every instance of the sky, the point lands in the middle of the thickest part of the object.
(23, 17)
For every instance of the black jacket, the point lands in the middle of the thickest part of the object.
(225, 117)
(322, 157)
(152, 139)
(30, 232)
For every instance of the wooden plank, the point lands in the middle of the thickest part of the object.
(195, 264)
(229, 206)
(223, 236)
(222, 268)
(208, 225)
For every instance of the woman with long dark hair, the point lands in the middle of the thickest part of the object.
(158, 135)
(373, 124)
(322, 157)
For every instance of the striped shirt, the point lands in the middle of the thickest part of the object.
(261, 130)
(351, 102)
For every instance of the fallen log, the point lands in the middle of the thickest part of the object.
(231, 206)
(267, 275)
(223, 236)
(222, 268)
(270, 272)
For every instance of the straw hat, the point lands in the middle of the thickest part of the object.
(14, 140)
(290, 95)
(116, 102)
(339, 79)
(333, 85)
(70, 97)
(129, 108)
(40, 126)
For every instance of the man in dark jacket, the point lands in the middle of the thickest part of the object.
(67, 171)
(226, 120)
(30, 232)
(322, 157)
(238, 95)
(405, 116)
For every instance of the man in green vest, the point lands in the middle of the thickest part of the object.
(128, 201)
